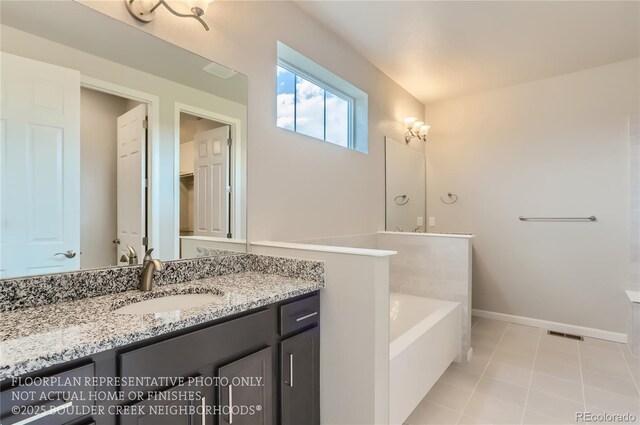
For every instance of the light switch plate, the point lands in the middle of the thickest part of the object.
(432, 222)
(420, 221)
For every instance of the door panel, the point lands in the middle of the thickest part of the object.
(256, 400)
(300, 380)
(131, 170)
(211, 182)
(41, 156)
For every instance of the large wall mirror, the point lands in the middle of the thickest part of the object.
(405, 174)
(113, 142)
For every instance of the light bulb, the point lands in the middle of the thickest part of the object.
(418, 124)
(409, 122)
(424, 130)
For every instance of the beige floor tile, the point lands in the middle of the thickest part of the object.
(523, 330)
(600, 343)
(558, 370)
(502, 390)
(525, 340)
(468, 420)
(477, 364)
(559, 357)
(535, 418)
(602, 400)
(516, 347)
(624, 387)
(557, 387)
(626, 349)
(553, 407)
(596, 352)
(493, 410)
(460, 378)
(558, 344)
(489, 340)
(618, 368)
(516, 359)
(449, 396)
(428, 413)
(509, 373)
(630, 358)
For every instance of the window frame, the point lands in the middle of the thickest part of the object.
(298, 72)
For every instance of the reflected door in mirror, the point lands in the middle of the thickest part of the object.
(212, 182)
(131, 176)
(40, 167)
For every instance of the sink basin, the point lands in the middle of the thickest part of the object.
(168, 303)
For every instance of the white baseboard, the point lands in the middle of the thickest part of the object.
(553, 326)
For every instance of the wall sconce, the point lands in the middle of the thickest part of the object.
(415, 130)
(144, 10)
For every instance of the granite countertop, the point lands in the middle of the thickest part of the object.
(42, 336)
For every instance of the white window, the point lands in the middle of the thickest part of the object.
(314, 102)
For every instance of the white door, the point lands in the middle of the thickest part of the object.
(211, 176)
(40, 149)
(131, 165)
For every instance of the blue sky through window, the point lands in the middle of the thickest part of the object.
(307, 108)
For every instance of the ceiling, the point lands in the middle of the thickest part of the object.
(443, 49)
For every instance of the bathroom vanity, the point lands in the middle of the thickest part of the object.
(250, 355)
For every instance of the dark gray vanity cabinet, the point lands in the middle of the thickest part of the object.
(300, 380)
(247, 399)
(170, 407)
(259, 367)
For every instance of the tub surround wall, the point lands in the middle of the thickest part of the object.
(433, 266)
(49, 289)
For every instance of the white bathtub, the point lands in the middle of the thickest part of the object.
(424, 340)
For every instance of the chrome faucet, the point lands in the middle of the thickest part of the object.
(131, 257)
(149, 265)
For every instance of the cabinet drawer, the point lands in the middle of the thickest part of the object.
(56, 399)
(299, 314)
(184, 354)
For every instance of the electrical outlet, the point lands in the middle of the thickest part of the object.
(420, 221)
(432, 222)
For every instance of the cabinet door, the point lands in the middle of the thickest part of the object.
(248, 399)
(300, 378)
(173, 407)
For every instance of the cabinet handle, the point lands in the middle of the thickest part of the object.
(230, 404)
(300, 319)
(291, 370)
(43, 414)
(203, 411)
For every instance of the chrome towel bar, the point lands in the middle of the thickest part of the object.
(591, 218)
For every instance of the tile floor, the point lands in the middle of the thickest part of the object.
(521, 375)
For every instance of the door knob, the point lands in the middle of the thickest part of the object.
(116, 241)
(69, 254)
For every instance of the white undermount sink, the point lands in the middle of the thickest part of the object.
(168, 303)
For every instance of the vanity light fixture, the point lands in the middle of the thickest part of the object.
(144, 10)
(415, 130)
